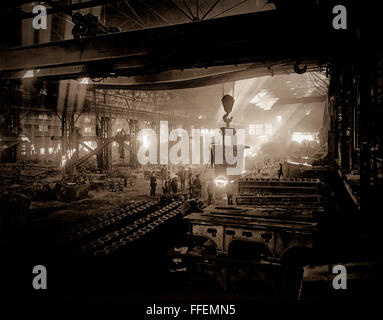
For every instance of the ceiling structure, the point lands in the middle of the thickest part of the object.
(277, 95)
(167, 45)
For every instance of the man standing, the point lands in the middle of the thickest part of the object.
(280, 171)
(153, 184)
(197, 186)
(174, 185)
(183, 179)
(230, 193)
(210, 191)
(190, 182)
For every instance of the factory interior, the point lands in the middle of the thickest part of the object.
(91, 190)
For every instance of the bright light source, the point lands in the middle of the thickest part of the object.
(264, 100)
(145, 141)
(279, 118)
(84, 80)
(221, 182)
(89, 144)
(258, 97)
(308, 136)
(28, 74)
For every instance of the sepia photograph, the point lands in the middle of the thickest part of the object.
(191, 158)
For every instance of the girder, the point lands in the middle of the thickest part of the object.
(225, 41)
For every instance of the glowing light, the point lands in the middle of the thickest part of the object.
(302, 136)
(84, 80)
(299, 163)
(90, 144)
(63, 161)
(145, 141)
(28, 74)
(221, 182)
(264, 100)
(69, 155)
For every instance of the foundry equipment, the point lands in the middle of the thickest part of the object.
(280, 217)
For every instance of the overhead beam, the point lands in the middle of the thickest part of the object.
(304, 100)
(225, 41)
(57, 8)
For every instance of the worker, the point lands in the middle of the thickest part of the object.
(183, 179)
(166, 187)
(210, 191)
(197, 186)
(230, 193)
(280, 171)
(190, 182)
(153, 184)
(174, 185)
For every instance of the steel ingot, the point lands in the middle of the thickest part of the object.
(123, 232)
(87, 247)
(125, 239)
(141, 232)
(119, 243)
(105, 238)
(90, 229)
(154, 224)
(147, 229)
(133, 237)
(98, 242)
(101, 253)
(111, 248)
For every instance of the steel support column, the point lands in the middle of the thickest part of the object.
(103, 132)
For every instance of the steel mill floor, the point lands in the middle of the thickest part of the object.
(78, 241)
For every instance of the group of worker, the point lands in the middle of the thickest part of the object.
(194, 184)
(170, 184)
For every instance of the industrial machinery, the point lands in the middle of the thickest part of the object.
(270, 234)
(281, 216)
(224, 173)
